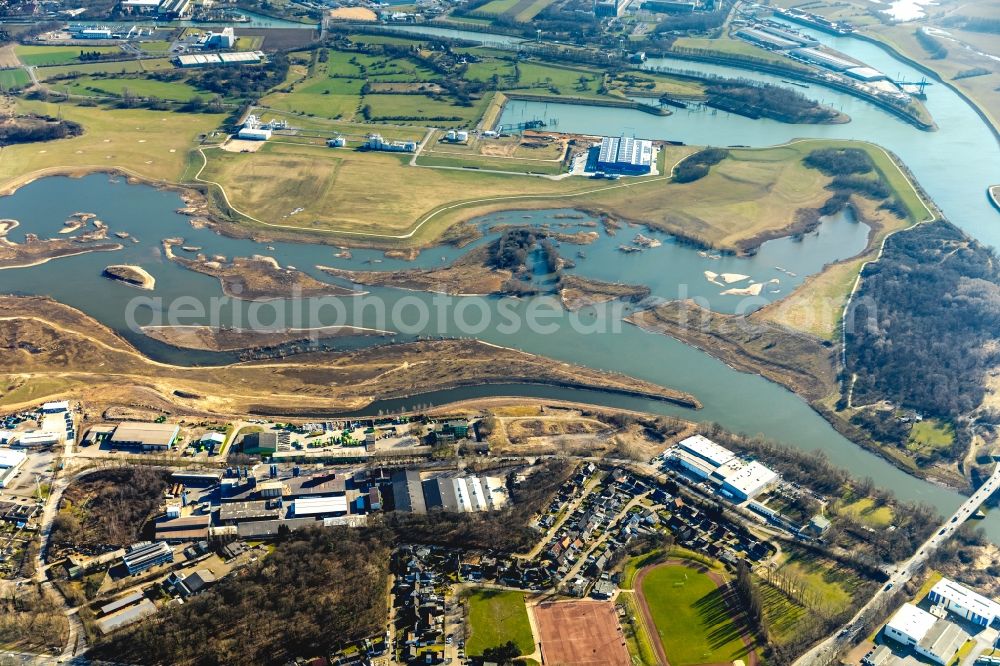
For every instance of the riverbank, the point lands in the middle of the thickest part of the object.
(76, 355)
(206, 338)
(801, 363)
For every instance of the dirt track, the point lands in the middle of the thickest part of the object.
(647, 616)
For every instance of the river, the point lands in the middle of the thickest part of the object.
(952, 164)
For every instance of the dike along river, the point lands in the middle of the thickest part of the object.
(951, 164)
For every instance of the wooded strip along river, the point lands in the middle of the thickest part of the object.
(954, 165)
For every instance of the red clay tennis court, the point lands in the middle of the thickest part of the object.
(581, 633)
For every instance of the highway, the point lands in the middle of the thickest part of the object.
(825, 652)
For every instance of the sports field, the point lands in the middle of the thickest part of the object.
(581, 633)
(495, 617)
(692, 619)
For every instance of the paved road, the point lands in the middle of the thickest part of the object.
(824, 652)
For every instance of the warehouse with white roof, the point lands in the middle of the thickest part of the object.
(11, 461)
(965, 603)
(304, 507)
(744, 480)
(928, 636)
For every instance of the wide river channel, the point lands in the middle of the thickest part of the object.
(955, 165)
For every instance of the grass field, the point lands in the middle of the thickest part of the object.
(691, 617)
(498, 6)
(754, 192)
(830, 584)
(58, 55)
(117, 87)
(13, 78)
(782, 613)
(817, 306)
(865, 511)
(737, 47)
(116, 67)
(153, 144)
(333, 89)
(495, 617)
(929, 436)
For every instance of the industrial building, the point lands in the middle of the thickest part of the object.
(866, 74)
(669, 7)
(965, 603)
(213, 59)
(625, 155)
(232, 513)
(146, 555)
(260, 443)
(316, 507)
(610, 8)
(189, 528)
(11, 461)
(768, 40)
(706, 450)
(126, 616)
(408, 492)
(464, 494)
(938, 640)
(743, 480)
(219, 40)
(144, 436)
(777, 31)
(824, 59)
(737, 479)
(139, 6)
(39, 438)
(174, 9)
(376, 142)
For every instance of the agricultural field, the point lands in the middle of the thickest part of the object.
(37, 56)
(521, 11)
(153, 144)
(691, 617)
(495, 617)
(334, 88)
(13, 78)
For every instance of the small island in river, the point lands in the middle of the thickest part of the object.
(133, 276)
(257, 278)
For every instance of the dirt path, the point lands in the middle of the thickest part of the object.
(720, 582)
